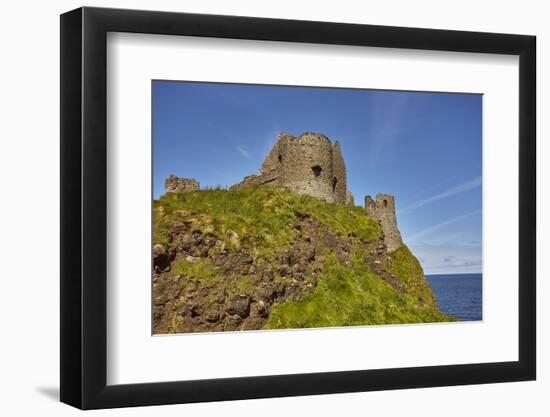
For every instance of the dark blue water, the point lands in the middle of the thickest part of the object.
(458, 295)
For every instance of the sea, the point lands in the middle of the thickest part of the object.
(459, 295)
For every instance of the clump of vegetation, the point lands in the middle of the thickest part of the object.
(350, 296)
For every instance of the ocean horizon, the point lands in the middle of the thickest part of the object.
(459, 295)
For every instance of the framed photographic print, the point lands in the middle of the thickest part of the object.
(257, 207)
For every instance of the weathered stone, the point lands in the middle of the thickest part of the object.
(260, 308)
(234, 239)
(160, 300)
(308, 164)
(232, 322)
(161, 260)
(247, 259)
(203, 251)
(157, 313)
(383, 210)
(213, 314)
(350, 201)
(293, 292)
(239, 305)
(265, 292)
(174, 184)
(159, 249)
(252, 323)
(195, 310)
(268, 275)
(185, 242)
(283, 271)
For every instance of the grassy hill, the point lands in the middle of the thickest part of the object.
(268, 258)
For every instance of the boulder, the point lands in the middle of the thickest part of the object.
(239, 305)
(161, 260)
(232, 322)
(213, 313)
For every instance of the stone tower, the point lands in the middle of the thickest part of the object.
(308, 164)
(383, 210)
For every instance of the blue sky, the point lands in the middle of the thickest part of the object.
(424, 148)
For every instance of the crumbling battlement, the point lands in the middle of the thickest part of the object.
(175, 184)
(350, 201)
(383, 210)
(308, 164)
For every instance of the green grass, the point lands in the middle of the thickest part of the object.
(244, 285)
(195, 271)
(349, 296)
(261, 217)
(410, 273)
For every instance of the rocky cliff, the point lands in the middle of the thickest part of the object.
(257, 258)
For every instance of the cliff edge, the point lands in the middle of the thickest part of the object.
(260, 258)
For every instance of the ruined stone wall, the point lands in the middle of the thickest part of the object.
(308, 164)
(174, 184)
(339, 175)
(272, 178)
(383, 210)
(350, 201)
(274, 160)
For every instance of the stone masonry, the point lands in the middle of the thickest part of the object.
(175, 184)
(350, 201)
(383, 210)
(308, 164)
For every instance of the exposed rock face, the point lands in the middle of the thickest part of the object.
(308, 164)
(182, 304)
(175, 184)
(383, 210)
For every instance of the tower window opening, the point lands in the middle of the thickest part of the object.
(385, 203)
(316, 170)
(334, 181)
(280, 158)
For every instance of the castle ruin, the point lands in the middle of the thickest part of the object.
(383, 210)
(174, 184)
(308, 164)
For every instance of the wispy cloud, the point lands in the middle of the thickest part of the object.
(438, 226)
(454, 190)
(384, 128)
(244, 152)
(443, 259)
(462, 237)
(463, 261)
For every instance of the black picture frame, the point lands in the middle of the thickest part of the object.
(84, 207)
